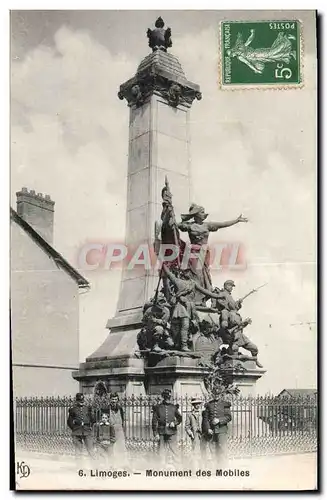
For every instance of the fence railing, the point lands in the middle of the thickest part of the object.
(259, 426)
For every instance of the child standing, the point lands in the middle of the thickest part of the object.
(105, 438)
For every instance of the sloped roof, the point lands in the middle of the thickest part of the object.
(56, 256)
(298, 392)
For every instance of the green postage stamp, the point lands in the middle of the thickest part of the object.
(260, 53)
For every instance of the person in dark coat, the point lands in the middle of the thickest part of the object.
(215, 417)
(80, 421)
(166, 417)
(105, 438)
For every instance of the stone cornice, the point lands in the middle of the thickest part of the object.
(160, 75)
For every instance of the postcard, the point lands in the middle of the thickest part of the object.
(163, 250)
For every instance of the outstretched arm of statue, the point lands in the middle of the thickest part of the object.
(214, 226)
(207, 292)
(183, 226)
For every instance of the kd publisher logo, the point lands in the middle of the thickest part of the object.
(23, 470)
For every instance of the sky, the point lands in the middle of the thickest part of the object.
(253, 152)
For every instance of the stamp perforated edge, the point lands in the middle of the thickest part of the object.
(266, 86)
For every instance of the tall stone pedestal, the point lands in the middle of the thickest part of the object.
(159, 146)
(159, 97)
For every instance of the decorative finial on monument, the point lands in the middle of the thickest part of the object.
(161, 74)
(159, 38)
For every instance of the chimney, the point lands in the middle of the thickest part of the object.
(37, 210)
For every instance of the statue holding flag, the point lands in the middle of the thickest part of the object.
(196, 256)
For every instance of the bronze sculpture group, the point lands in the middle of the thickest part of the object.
(177, 318)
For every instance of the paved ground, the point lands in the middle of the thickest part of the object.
(285, 472)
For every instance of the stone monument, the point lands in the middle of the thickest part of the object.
(159, 337)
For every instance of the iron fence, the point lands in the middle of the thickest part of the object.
(259, 426)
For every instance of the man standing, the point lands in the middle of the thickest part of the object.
(117, 420)
(166, 418)
(193, 428)
(80, 421)
(215, 418)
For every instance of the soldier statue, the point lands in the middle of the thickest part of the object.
(155, 333)
(228, 306)
(239, 339)
(215, 417)
(193, 286)
(232, 325)
(206, 341)
(184, 315)
(235, 338)
(166, 417)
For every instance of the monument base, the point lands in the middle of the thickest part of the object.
(131, 376)
(124, 375)
(246, 380)
(117, 363)
(182, 375)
